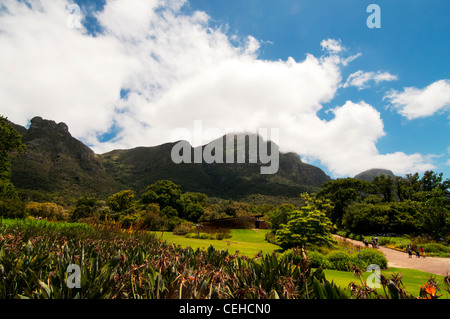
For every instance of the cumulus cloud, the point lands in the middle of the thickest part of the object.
(172, 69)
(360, 78)
(415, 103)
(332, 45)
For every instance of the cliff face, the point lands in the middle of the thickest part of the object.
(56, 162)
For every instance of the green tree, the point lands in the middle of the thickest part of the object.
(436, 214)
(279, 216)
(192, 212)
(85, 207)
(121, 201)
(384, 185)
(193, 206)
(342, 193)
(10, 141)
(431, 180)
(305, 227)
(164, 193)
(405, 187)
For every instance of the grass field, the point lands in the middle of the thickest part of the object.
(25, 244)
(247, 241)
(250, 242)
(412, 279)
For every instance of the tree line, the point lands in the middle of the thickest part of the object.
(404, 205)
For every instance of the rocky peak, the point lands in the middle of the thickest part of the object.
(41, 127)
(370, 174)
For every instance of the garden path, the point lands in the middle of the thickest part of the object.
(399, 259)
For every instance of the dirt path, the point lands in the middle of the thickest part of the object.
(398, 259)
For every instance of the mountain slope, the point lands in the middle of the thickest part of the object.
(142, 166)
(55, 162)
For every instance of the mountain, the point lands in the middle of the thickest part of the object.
(142, 166)
(370, 174)
(56, 162)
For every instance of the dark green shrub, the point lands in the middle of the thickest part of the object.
(213, 236)
(271, 238)
(372, 256)
(12, 208)
(223, 235)
(319, 260)
(184, 228)
(436, 249)
(340, 260)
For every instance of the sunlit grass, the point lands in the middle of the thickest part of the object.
(247, 241)
(412, 279)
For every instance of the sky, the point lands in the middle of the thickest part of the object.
(345, 95)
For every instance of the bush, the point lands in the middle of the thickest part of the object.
(340, 260)
(213, 236)
(151, 220)
(372, 256)
(271, 238)
(288, 255)
(223, 235)
(184, 228)
(51, 211)
(319, 260)
(436, 249)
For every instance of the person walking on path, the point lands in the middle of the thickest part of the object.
(417, 252)
(409, 251)
(398, 259)
(422, 252)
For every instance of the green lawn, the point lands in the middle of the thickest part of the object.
(247, 241)
(412, 279)
(250, 242)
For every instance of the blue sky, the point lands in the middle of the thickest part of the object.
(137, 70)
(413, 43)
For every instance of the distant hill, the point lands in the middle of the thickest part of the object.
(370, 174)
(56, 162)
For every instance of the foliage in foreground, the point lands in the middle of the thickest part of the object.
(116, 264)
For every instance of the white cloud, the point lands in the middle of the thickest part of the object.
(360, 78)
(178, 69)
(51, 70)
(332, 45)
(414, 103)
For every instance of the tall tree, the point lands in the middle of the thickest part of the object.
(384, 185)
(341, 193)
(163, 192)
(307, 226)
(10, 140)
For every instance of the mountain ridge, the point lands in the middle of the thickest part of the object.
(56, 162)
